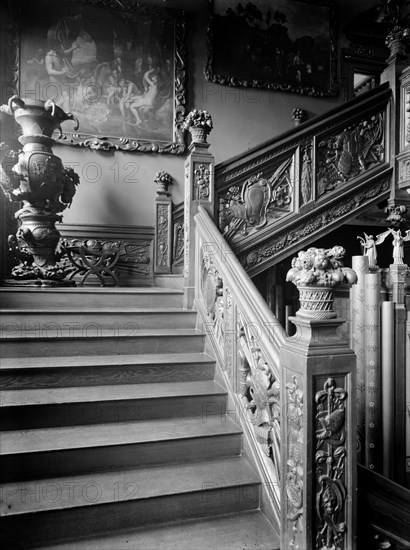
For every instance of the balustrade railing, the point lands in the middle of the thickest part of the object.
(246, 338)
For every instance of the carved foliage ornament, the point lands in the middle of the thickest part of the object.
(330, 461)
(249, 208)
(260, 391)
(162, 234)
(303, 229)
(294, 467)
(347, 154)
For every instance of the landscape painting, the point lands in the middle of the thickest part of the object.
(286, 45)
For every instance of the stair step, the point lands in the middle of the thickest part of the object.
(90, 297)
(54, 508)
(18, 322)
(26, 454)
(44, 408)
(96, 341)
(241, 531)
(74, 371)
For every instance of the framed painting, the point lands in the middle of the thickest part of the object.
(116, 65)
(286, 45)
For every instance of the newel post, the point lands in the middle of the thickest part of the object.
(199, 190)
(318, 421)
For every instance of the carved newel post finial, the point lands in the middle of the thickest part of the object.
(163, 181)
(199, 124)
(317, 272)
(318, 423)
(298, 115)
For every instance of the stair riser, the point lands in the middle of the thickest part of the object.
(76, 414)
(36, 378)
(115, 457)
(86, 298)
(94, 519)
(17, 324)
(97, 345)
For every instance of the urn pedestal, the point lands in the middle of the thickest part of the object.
(44, 187)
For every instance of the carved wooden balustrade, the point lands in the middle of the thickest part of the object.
(245, 337)
(288, 192)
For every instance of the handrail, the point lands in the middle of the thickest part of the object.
(314, 177)
(241, 286)
(246, 338)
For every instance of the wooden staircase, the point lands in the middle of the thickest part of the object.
(114, 431)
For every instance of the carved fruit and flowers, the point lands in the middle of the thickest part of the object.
(199, 123)
(330, 459)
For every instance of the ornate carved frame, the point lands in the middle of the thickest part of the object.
(233, 80)
(103, 142)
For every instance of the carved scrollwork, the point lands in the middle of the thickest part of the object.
(347, 154)
(301, 229)
(259, 198)
(259, 390)
(330, 461)
(213, 300)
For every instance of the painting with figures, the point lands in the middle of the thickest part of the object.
(114, 69)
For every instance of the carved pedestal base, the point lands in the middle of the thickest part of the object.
(318, 438)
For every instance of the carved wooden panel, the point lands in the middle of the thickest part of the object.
(135, 264)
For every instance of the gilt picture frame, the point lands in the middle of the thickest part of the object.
(285, 45)
(117, 66)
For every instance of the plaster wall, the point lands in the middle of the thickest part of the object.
(118, 188)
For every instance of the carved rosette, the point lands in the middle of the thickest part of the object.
(330, 460)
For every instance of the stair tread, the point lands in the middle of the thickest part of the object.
(101, 333)
(84, 394)
(120, 433)
(143, 309)
(227, 474)
(245, 530)
(102, 360)
(93, 290)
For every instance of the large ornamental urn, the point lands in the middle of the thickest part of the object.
(44, 187)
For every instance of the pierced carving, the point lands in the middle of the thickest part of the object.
(178, 244)
(347, 154)
(260, 391)
(330, 461)
(296, 233)
(212, 296)
(249, 208)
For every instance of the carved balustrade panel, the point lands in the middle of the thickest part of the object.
(255, 202)
(287, 192)
(349, 152)
(237, 340)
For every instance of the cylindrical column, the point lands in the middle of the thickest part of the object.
(357, 293)
(373, 440)
(387, 376)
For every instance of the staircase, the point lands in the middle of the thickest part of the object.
(114, 430)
